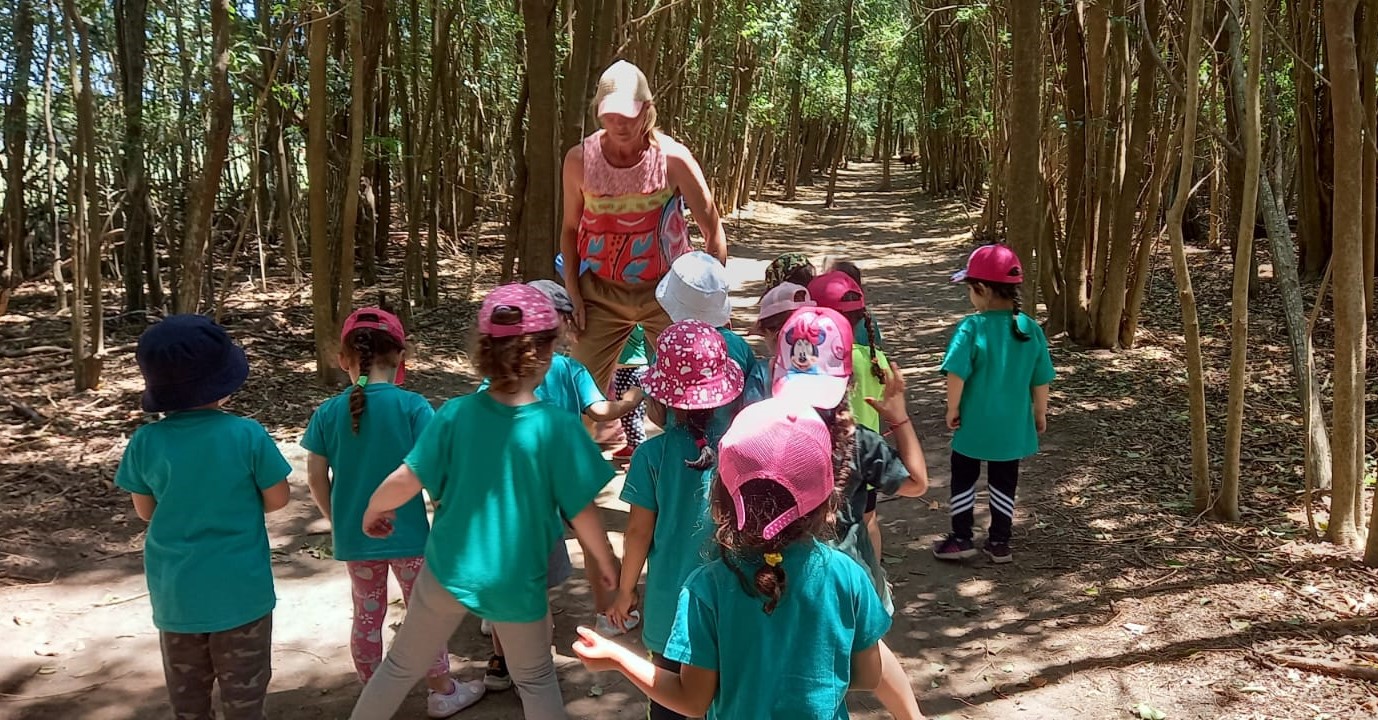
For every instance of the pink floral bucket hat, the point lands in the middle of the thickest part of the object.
(692, 370)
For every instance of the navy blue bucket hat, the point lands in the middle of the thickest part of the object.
(188, 361)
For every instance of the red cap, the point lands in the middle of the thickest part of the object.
(378, 319)
(829, 289)
(992, 263)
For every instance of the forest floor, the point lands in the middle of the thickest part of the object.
(1121, 601)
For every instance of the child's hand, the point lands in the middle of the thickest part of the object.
(595, 651)
(634, 394)
(609, 575)
(892, 406)
(378, 523)
(1041, 423)
(954, 420)
(621, 610)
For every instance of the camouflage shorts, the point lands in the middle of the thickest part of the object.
(240, 659)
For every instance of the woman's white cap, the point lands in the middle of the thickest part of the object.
(696, 289)
(623, 90)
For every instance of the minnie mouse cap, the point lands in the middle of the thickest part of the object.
(783, 441)
(813, 358)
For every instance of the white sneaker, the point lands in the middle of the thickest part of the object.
(607, 629)
(486, 628)
(461, 696)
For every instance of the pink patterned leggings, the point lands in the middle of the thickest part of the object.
(369, 581)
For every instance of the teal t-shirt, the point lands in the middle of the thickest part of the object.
(739, 350)
(793, 664)
(503, 477)
(659, 481)
(206, 550)
(392, 421)
(635, 352)
(999, 371)
(758, 386)
(861, 337)
(568, 384)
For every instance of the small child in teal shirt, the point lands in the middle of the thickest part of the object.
(998, 371)
(778, 626)
(696, 288)
(504, 468)
(667, 484)
(203, 478)
(355, 439)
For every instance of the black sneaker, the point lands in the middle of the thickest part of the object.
(998, 552)
(497, 679)
(954, 548)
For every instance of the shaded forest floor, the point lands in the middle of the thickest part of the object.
(1119, 595)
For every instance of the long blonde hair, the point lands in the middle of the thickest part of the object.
(607, 85)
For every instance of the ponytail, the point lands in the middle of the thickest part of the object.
(696, 422)
(842, 426)
(764, 500)
(1004, 291)
(876, 370)
(1019, 334)
(770, 581)
(362, 344)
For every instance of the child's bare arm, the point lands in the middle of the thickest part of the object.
(1040, 407)
(689, 691)
(636, 545)
(276, 497)
(144, 505)
(894, 410)
(866, 669)
(593, 537)
(608, 410)
(318, 480)
(954, 400)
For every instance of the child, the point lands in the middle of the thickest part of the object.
(503, 467)
(861, 332)
(813, 364)
(355, 439)
(667, 484)
(696, 289)
(838, 290)
(791, 267)
(779, 626)
(998, 371)
(631, 368)
(203, 479)
(777, 305)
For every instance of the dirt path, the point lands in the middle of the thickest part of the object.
(1083, 625)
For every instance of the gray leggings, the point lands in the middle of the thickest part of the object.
(432, 612)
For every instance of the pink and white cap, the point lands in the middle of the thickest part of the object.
(995, 263)
(378, 319)
(521, 310)
(623, 90)
(813, 358)
(784, 297)
(692, 370)
(785, 442)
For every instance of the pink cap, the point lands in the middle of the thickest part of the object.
(692, 370)
(782, 441)
(533, 311)
(378, 319)
(830, 288)
(992, 263)
(813, 359)
(784, 297)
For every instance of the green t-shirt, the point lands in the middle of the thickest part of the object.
(739, 350)
(392, 421)
(567, 384)
(502, 477)
(659, 481)
(864, 385)
(206, 551)
(635, 352)
(793, 664)
(999, 372)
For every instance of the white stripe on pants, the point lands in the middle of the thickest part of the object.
(432, 616)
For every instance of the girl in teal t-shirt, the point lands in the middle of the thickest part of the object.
(354, 440)
(778, 626)
(504, 468)
(667, 484)
(998, 371)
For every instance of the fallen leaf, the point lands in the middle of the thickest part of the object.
(1092, 591)
(596, 691)
(1135, 629)
(1148, 712)
(1037, 681)
(1240, 625)
(1007, 667)
(934, 505)
(1253, 689)
(46, 670)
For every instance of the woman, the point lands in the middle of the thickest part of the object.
(625, 188)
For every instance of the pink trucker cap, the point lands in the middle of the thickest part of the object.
(378, 319)
(785, 442)
(533, 311)
(992, 263)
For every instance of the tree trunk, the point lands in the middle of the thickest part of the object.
(577, 72)
(1025, 213)
(540, 216)
(1350, 323)
(50, 166)
(202, 210)
(350, 216)
(88, 313)
(846, 102)
(131, 19)
(1311, 230)
(1246, 95)
(16, 137)
(1149, 232)
(382, 174)
(1196, 388)
(322, 264)
(792, 140)
(1368, 77)
(1075, 306)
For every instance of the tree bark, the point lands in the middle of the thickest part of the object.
(349, 218)
(88, 313)
(1025, 213)
(577, 72)
(1074, 315)
(1368, 78)
(536, 242)
(846, 102)
(202, 210)
(317, 142)
(1350, 324)
(1196, 388)
(1311, 230)
(16, 139)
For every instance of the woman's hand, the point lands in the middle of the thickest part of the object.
(379, 523)
(597, 652)
(577, 300)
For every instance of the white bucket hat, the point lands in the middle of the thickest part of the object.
(696, 289)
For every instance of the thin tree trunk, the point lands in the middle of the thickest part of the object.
(322, 264)
(1075, 306)
(202, 211)
(1196, 388)
(16, 138)
(59, 286)
(88, 326)
(1149, 232)
(1310, 228)
(1350, 324)
(577, 72)
(131, 18)
(350, 217)
(1368, 76)
(846, 102)
(1025, 214)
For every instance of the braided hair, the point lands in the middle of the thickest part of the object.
(842, 426)
(365, 345)
(696, 422)
(1010, 292)
(764, 500)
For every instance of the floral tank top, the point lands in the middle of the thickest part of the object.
(633, 225)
